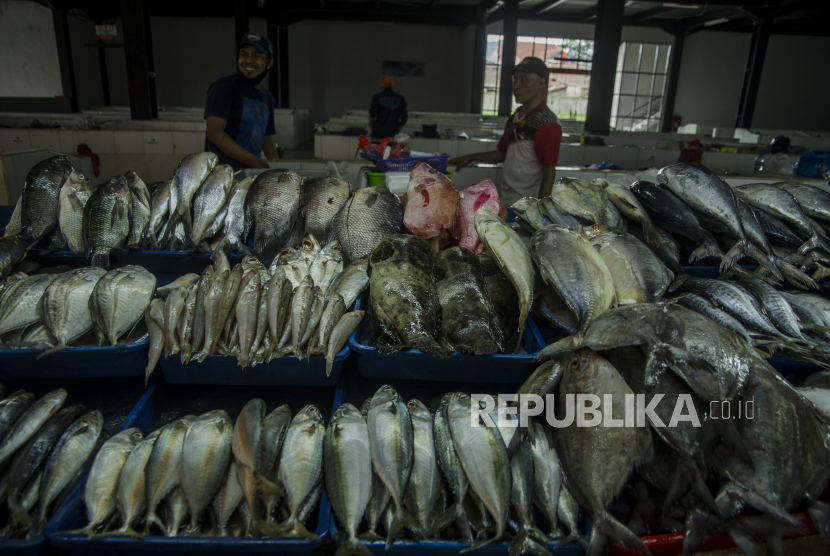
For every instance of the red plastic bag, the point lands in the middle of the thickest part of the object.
(369, 151)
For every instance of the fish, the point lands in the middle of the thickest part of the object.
(236, 226)
(774, 306)
(556, 216)
(20, 303)
(227, 305)
(247, 311)
(278, 298)
(512, 257)
(295, 265)
(227, 498)
(310, 249)
(702, 305)
(627, 203)
(339, 334)
(119, 300)
(424, 483)
(316, 313)
(348, 472)
(551, 310)
(322, 200)
(73, 197)
(40, 200)
(162, 469)
(814, 202)
(470, 199)
(12, 251)
(547, 474)
(331, 315)
(176, 511)
(350, 283)
(159, 211)
(101, 490)
(579, 198)
(430, 211)
(301, 466)
(468, 320)
(274, 427)
(131, 494)
(404, 302)
(247, 446)
(529, 538)
(140, 211)
(273, 205)
(301, 305)
(452, 472)
(65, 305)
(14, 226)
(370, 214)
(209, 200)
(206, 451)
(529, 214)
(69, 455)
(185, 323)
(504, 299)
(576, 270)
(154, 319)
(327, 265)
(213, 312)
(483, 456)
(12, 407)
(391, 440)
(191, 172)
(107, 220)
(639, 276)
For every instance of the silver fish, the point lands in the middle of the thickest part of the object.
(294, 264)
(107, 220)
(119, 300)
(350, 283)
(209, 201)
(159, 211)
(65, 305)
(236, 230)
(339, 334)
(73, 197)
(154, 319)
(140, 213)
(334, 310)
(163, 467)
(327, 265)
(227, 499)
(20, 305)
(424, 483)
(132, 493)
(206, 451)
(310, 248)
(40, 200)
(273, 205)
(301, 305)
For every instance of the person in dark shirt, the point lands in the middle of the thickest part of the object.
(387, 113)
(239, 115)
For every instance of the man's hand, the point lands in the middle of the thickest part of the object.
(215, 132)
(461, 161)
(492, 157)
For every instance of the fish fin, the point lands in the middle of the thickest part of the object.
(477, 545)
(820, 514)
(650, 233)
(732, 438)
(696, 531)
(694, 370)
(18, 512)
(430, 347)
(815, 242)
(738, 251)
(269, 487)
(688, 476)
(101, 257)
(566, 344)
(126, 530)
(765, 265)
(606, 528)
(821, 272)
(402, 519)
(733, 498)
(678, 282)
(708, 249)
(573, 536)
(352, 547)
(524, 544)
(153, 518)
(51, 350)
(794, 275)
(454, 514)
(170, 228)
(294, 528)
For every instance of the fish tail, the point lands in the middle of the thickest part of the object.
(607, 528)
(402, 519)
(821, 272)
(793, 274)
(566, 344)
(171, 227)
(708, 249)
(352, 547)
(820, 514)
(523, 544)
(574, 536)
(480, 544)
(329, 364)
(294, 528)
(764, 261)
(125, 530)
(51, 350)
(738, 251)
(269, 487)
(454, 514)
(678, 282)
(650, 233)
(696, 531)
(101, 257)
(153, 518)
(428, 345)
(18, 512)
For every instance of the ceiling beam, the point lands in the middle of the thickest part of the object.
(589, 14)
(547, 5)
(647, 14)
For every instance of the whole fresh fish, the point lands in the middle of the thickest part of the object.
(131, 494)
(314, 316)
(774, 306)
(301, 305)
(274, 427)
(504, 299)
(814, 202)
(512, 257)
(185, 323)
(73, 197)
(13, 227)
(424, 483)
(301, 466)
(154, 319)
(247, 311)
(483, 455)
(350, 283)
(430, 211)
(470, 199)
(294, 264)
(163, 468)
(310, 248)
(468, 320)
(247, 445)
(20, 304)
(140, 211)
(332, 314)
(65, 305)
(452, 471)
(547, 474)
(159, 211)
(579, 198)
(206, 451)
(552, 310)
(12, 407)
(370, 214)
(278, 296)
(101, 491)
(339, 334)
(556, 216)
(627, 203)
(227, 498)
(405, 307)
(322, 200)
(107, 217)
(529, 538)
(327, 265)
(348, 471)
(74, 448)
(236, 227)
(12, 251)
(391, 440)
(176, 511)
(119, 300)
(273, 205)
(213, 309)
(40, 200)
(190, 174)
(209, 200)
(529, 214)
(576, 270)
(702, 305)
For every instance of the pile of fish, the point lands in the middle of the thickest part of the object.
(45, 450)
(398, 466)
(727, 433)
(209, 476)
(53, 311)
(455, 301)
(298, 304)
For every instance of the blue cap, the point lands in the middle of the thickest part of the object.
(258, 41)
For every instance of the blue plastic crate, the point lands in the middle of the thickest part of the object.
(164, 264)
(437, 162)
(413, 364)
(76, 362)
(160, 405)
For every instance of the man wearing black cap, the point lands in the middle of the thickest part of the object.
(239, 115)
(529, 146)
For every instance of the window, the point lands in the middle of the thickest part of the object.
(640, 86)
(569, 61)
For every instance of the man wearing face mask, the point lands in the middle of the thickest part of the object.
(239, 114)
(529, 146)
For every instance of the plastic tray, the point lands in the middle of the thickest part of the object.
(413, 364)
(159, 406)
(437, 162)
(354, 389)
(285, 371)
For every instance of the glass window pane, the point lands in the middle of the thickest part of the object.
(663, 58)
(648, 58)
(628, 82)
(659, 83)
(644, 85)
(656, 107)
(632, 57)
(625, 106)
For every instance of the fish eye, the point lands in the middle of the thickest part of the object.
(463, 397)
(284, 253)
(411, 404)
(311, 410)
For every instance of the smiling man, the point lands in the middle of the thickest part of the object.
(239, 115)
(529, 146)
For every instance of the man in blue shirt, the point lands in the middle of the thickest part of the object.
(239, 115)
(387, 113)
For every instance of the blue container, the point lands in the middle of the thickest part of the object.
(285, 371)
(413, 364)
(160, 405)
(437, 162)
(75, 362)
(355, 389)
